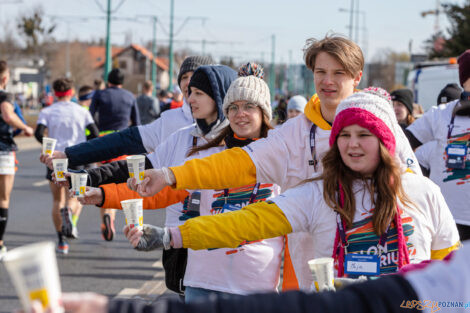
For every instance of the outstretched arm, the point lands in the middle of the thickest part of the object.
(256, 221)
(229, 168)
(115, 193)
(127, 141)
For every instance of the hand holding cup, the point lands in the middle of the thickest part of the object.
(47, 159)
(93, 196)
(153, 182)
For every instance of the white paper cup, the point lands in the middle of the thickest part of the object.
(136, 166)
(60, 168)
(79, 183)
(33, 271)
(134, 212)
(323, 275)
(48, 145)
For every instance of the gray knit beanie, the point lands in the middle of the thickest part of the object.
(190, 64)
(250, 86)
(297, 103)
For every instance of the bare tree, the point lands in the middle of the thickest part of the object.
(34, 30)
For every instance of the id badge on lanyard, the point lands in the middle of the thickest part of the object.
(361, 264)
(456, 151)
(456, 155)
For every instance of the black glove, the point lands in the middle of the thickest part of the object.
(154, 238)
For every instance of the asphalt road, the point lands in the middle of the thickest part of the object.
(110, 268)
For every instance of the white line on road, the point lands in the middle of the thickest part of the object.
(41, 183)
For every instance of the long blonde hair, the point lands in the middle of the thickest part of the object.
(385, 183)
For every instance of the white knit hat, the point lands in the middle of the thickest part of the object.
(297, 103)
(371, 109)
(250, 87)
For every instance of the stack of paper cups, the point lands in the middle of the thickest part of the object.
(323, 275)
(134, 212)
(33, 271)
(136, 166)
(79, 181)
(48, 145)
(60, 168)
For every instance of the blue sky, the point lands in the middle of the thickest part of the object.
(243, 28)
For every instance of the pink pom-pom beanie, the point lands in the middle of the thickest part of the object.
(371, 109)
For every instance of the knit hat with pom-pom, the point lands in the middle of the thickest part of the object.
(371, 109)
(249, 86)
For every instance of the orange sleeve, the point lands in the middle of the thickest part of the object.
(115, 193)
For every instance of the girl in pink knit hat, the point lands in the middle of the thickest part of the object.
(365, 211)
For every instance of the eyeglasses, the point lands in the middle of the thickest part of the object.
(247, 107)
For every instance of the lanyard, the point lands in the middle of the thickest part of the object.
(342, 235)
(254, 193)
(313, 149)
(451, 125)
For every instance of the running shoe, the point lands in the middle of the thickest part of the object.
(67, 226)
(62, 247)
(3, 251)
(107, 228)
(74, 234)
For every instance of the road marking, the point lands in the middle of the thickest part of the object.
(41, 183)
(127, 293)
(150, 289)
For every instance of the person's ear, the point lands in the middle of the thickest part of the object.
(357, 79)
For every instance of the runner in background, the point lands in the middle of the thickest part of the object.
(66, 122)
(149, 107)
(85, 94)
(9, 120)
(113, 109)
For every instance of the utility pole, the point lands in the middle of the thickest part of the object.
(154, 55)
(107, 64)
(290, 78)
(357, 21)
(170, 57)
(272, 71)
(351, 20)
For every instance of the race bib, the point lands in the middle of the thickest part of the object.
(7, 163)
